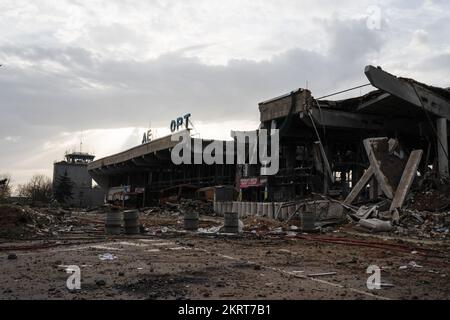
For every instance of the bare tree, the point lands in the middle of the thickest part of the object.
(5, 187)
(38, 189)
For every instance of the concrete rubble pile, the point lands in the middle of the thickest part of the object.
(172, 208)
(26, 222)
(408, 205)
(201, 207)
(425, 225)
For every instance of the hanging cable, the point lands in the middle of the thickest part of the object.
(321, 117)
(322, 149)
(343, 91)
(333, 94)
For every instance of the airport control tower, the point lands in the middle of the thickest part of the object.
(75, 167)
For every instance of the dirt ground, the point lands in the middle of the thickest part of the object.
(172, 264)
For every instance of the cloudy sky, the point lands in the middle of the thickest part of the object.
(103, 71)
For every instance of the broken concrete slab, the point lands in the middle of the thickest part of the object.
(407, 179)
(376, 225)
(360, 185)
(384, 167)
(365, 212)
(377, 149)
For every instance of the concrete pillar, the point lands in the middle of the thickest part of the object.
(270, 209)
(218, 208)
(235, 207)
(265, 210)
(277, 210)
(291, 210)
(225, 207)
(243, 208)
(228, 207)
(284, 213)
(260, 211)
(442, 146)
(254, 210)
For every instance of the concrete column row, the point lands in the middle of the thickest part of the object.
(260, 209)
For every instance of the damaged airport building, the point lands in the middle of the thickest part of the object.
(327, 147)
(357, 184)
(143, 175)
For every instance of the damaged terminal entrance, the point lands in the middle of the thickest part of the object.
(321, 141)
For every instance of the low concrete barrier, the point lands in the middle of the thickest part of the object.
(261, 209)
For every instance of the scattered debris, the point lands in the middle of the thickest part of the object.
(413, 264)
(177, 208)
(210, 230)
(376, 225)
(12, 256)
(107, 256)
(100, 282)
(322, 274)
(25, 222)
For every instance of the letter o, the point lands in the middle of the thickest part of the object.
(173, 126)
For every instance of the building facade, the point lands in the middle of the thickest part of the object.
(145, 175)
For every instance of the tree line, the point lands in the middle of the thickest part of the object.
(39, 189)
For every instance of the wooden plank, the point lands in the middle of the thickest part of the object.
(407, 179)
(360, 185)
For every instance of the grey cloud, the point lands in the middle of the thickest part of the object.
(88, 91)
(46, 90)
(352, 39)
